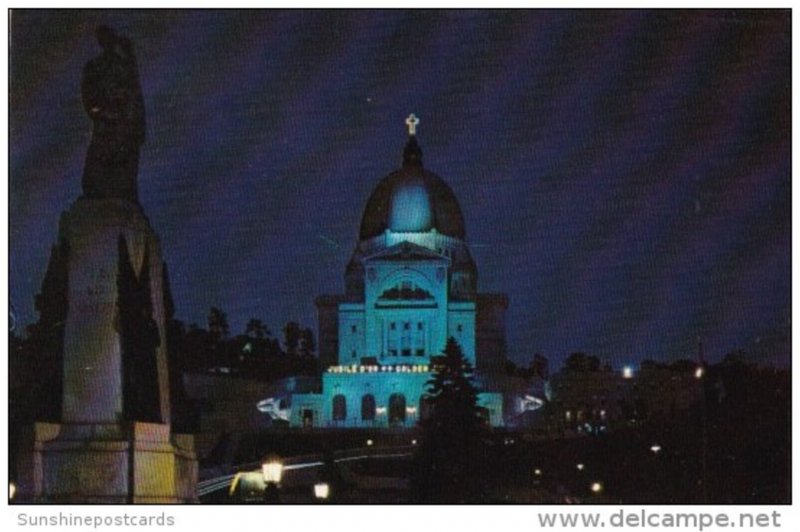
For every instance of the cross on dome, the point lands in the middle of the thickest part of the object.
(412, 122)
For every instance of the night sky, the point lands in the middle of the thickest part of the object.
(624, 175)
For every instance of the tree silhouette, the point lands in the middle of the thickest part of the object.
(218, 324)
(291, 337)
(256, 329)
(306, 345)
(580, 362)
(218, 336)
(446, 468)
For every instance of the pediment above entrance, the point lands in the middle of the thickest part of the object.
(407, 251)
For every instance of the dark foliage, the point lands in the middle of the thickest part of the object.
(447, 467)
(733, 446)
(255, 354)
(539, 368)
(581, 362)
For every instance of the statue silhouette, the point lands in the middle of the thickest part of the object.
(112, 97)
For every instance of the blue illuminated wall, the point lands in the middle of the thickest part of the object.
(375, 396)
(409, 287)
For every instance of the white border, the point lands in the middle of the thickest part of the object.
(356, 518)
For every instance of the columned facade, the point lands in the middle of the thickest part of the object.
(410, 285)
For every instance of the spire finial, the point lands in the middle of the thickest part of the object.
(412, 122)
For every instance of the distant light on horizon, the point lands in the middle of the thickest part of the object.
(699, 372)
(596, 487)
(627, 372)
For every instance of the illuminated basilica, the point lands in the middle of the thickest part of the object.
(410, 285)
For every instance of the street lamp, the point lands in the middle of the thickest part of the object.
(322, 491)
(580, 467)
(596, 487)
(272, 469)
(369, 443)
(699, 372)
(627, 372)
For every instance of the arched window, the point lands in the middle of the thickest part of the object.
(397, 409)
(339, 408)
(368, 407)
(406, 290)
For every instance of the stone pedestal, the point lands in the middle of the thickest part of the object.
(93, 372)
(91, 464)
(101, 452)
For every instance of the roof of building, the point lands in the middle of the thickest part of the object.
(412, 199)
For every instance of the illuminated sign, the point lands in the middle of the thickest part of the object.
(400, 368)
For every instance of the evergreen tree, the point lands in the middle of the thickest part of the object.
(218, 324)
(447, 466)
(291, 337)
(218, 332)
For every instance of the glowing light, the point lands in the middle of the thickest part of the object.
(529, 403)
(369, 443)
(272, 468)
(380, 410)
(699, 372)
(410, 210)
(411, 409)
(12, 490)
(656, 448)
(413, 442)
(580, 467)
(537, 472)
(271, 407)
(397, 368)
(322, 490)
(596, 487)
(627, 372)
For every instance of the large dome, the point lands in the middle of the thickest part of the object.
(412, 200)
